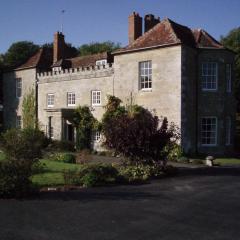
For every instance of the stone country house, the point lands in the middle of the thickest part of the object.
(180, 73)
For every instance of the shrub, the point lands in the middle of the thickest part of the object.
(15, 178)
(23, 144)
(63, 145)
(174, 152)
(97, 174)
(63, 157)
(22, 149)
(135, 132)
(139, 173)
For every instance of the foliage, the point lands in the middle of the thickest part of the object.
(84, 123)
(232, 41)
(23, 144)
(63, 157)
(174, 151)
(91, 175)
(22, 149)
(83, 156)
(15, 178)
(135, 134)
(29, 111)
(96, 47)
(19, 52)
(141, 172)
(61, 145)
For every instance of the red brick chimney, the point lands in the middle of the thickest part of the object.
(134, 27)
(150, 21)
(58, 47)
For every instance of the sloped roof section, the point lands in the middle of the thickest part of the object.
(42, 60)
(89, 60)
(203, 39)
(167, 33)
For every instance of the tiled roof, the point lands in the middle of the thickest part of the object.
(89, 60)
(42, 59)
(203, 39)
(168, 32)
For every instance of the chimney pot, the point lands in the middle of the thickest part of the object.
(150, 21)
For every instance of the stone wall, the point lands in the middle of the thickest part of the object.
(165, 96)
(217, 103)
(12, 104)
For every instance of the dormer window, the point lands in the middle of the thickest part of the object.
(101, 62)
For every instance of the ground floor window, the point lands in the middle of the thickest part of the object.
(209, 131)
(97, 136)
(18, 121)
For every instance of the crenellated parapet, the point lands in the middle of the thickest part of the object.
(76, 73)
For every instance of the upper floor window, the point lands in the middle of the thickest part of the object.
(145, 75)
(96, 98)
(101, 62)
(18, 122)
(50, 100)
(18, 87)
(209, 131)
(228, 130)
(229, 77)
(209, 76)
(71, 99)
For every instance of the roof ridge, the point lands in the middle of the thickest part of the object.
(171, 25)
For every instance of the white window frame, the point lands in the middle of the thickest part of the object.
(71, 99)
(50, 100)
(228, 78)
(216, 132)
(145, 75)
(101, 62)
(18, 121)
(96, 98)
(97, 136)
(228, 130)
(208, 77)
(18, 82)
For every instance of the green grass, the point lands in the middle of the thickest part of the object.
(227, 161)
(52, 173)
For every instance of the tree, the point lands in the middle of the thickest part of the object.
(135, 132)
(97, 47)
(84, 123)
(232, 41)
(19, 52)
(29, 110)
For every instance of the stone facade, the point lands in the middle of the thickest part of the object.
(176, 90)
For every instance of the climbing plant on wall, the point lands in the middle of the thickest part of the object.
(85, 124)
(29, 111)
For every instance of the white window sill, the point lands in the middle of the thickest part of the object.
(209, 145)
(209, 90)
(146, 90)
(96, 105)
(50, 106)
(71, 105)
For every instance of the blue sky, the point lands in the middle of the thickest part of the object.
(95, 20)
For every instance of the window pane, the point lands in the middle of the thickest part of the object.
(145, 75)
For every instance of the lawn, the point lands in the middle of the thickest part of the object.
(227, 161)
(52, 173)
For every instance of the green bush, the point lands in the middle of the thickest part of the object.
(63, 157)
(57, 145)
(174, 152)
(15, 178)
(135, 173)
(23, 148)
(23, 144)
(97, 174)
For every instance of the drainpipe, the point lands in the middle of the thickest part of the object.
(197, 85)
(36, 97)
